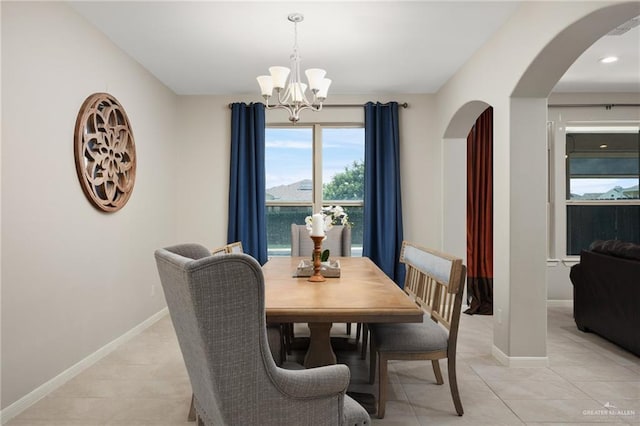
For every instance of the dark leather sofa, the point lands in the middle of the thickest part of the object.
(606, 292)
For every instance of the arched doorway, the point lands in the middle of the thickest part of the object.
(519, 96)
(468, 200)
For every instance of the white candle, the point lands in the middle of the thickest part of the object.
(317, 225)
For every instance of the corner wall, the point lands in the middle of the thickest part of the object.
(73, 278)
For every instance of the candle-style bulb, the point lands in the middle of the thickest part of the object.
(317, 225)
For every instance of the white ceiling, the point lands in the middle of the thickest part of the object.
(367, 47)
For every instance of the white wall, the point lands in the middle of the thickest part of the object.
(204, 141)
(73, 278)
(454, 181)
(203, 158)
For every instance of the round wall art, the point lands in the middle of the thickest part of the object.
(105, 152)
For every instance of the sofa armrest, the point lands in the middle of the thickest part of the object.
(575, 274)
(606, 291)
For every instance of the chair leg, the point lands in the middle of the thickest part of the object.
(358, 331)
(348, 329)
(451, 363)
(372, 363)
(288, 337)
(382, 384)
(436, 371)
(191, 417)
(283, 344)
(365, 339)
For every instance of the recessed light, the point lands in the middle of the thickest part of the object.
(603, 146)
(609, 59)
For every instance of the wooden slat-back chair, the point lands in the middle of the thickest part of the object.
(234, 247)
(435, 282)
(230, 248)
(219, 251)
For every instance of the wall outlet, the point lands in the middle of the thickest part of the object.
(499, 316)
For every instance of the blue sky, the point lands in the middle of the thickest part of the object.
(289, 153)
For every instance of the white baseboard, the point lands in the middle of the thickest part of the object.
(560, 303)
(518, 361)
(37, 394)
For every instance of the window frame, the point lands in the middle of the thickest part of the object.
(317, 202)
(558, 178)
(595, 125)
(604, 129)
(316, 193)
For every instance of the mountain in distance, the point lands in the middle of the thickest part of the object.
(297, 191)
(615, 193)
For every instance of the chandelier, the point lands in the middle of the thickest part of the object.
(291, 92)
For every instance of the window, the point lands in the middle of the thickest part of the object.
(602, 177)
(308, 167)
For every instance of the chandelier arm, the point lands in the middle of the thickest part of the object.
(266, 102)
(293, 97)
(311, 107)
(281, 106)
(282, 98)
(315, 99)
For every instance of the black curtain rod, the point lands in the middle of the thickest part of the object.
(402, 105)
(606, 106)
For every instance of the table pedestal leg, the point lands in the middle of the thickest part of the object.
(320, 351)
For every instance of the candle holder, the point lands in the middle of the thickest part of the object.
(317, 253)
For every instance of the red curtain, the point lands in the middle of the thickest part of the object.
(480, 215)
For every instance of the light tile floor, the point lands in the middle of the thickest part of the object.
(144, 382)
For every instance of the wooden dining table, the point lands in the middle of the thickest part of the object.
(362, 294)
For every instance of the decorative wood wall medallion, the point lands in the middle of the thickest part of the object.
(105, 152)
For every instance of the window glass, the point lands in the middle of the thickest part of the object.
(602, 166)
(343, 164)
(343, 176)
(279, 220)
(603, 173)
(588, 223)
(299, 182)
(289, 164)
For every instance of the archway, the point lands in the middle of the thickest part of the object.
(459, 233)
(527, 297)
(519, 97)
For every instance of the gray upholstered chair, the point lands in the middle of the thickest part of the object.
(435, 282)
(338, 241)
(217, 307)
